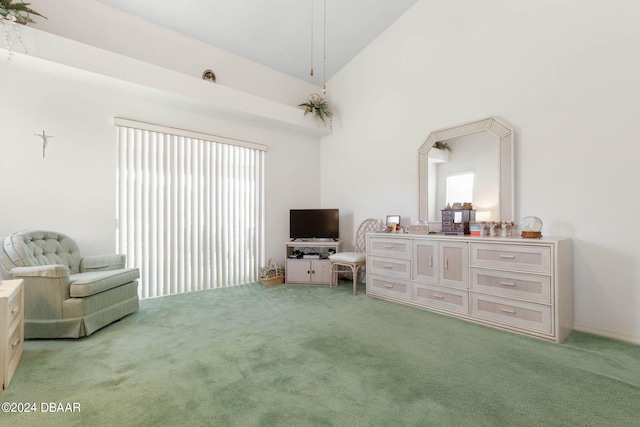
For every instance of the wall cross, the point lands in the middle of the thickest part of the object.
(44, 141)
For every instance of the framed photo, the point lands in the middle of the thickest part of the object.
(395, 219)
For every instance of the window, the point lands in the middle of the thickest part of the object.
(190, 208)
(460, 188)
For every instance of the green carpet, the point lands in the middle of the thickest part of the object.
(310, 356)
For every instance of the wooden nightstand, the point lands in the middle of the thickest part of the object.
(11, 327)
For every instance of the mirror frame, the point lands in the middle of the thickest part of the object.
(504, 135)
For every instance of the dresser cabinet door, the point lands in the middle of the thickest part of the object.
(454, 264)
(425, 261)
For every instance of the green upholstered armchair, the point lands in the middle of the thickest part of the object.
(66, 295)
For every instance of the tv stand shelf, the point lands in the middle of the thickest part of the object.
(307, 270)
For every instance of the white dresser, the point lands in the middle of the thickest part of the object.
(11, 327)
(520, 285)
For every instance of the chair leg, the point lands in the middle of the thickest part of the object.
(355, 278)
(331, 276)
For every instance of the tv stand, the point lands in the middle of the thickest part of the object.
(310, 271)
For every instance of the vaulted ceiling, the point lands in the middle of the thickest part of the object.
(282, 34)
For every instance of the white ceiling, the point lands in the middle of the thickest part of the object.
(277, 33)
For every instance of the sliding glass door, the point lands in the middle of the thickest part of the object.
(190, 208)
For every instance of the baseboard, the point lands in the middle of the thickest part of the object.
(606, 332)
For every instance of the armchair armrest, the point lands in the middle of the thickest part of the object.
(103, 262)
(54, 271)
(45, 289)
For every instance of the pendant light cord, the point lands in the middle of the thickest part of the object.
(324, 48)
(311, 68)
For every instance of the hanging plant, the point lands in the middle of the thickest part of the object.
(19, 10)
(319, 106)
(12, 13)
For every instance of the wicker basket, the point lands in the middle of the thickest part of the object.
(419, 229)
(272, 274)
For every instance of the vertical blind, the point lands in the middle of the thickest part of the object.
(190, 208)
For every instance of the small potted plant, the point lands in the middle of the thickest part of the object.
(442, 145)
(318, 106)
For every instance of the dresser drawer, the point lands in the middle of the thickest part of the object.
(513, 257)
(531, 287)
(442, 298)
(397, 248)
(394, 288)
(534, 317)
(389, 266)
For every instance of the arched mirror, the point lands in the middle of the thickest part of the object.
(482, 149)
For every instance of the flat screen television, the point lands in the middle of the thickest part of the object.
(314, 224)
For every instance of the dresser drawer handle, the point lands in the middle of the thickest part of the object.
(14, 310)
(388, 246)
(506, 310)
(15, 342)
(507, 283)
(438, 296)
(508, 256)
(386, 285)
(388, 266)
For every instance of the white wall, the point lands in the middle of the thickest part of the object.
(72, 189)
(562, 73)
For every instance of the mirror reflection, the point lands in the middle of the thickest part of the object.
(466, 171)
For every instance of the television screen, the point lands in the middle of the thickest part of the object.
(314, 223)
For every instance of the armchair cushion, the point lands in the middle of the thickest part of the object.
(93, 282)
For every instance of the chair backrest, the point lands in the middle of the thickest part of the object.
(367, 226)
(36, 247)
(5, 262)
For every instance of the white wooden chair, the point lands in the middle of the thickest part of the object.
(353, 260)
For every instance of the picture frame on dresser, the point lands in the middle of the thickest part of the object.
(395, 219)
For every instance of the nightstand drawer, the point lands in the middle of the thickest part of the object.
(15, 346)
(535, 317)
(399, 289)
(442, 298)
(14, 309)
(389, 266)
(513, 257)
(397, 248)
(531, 287)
